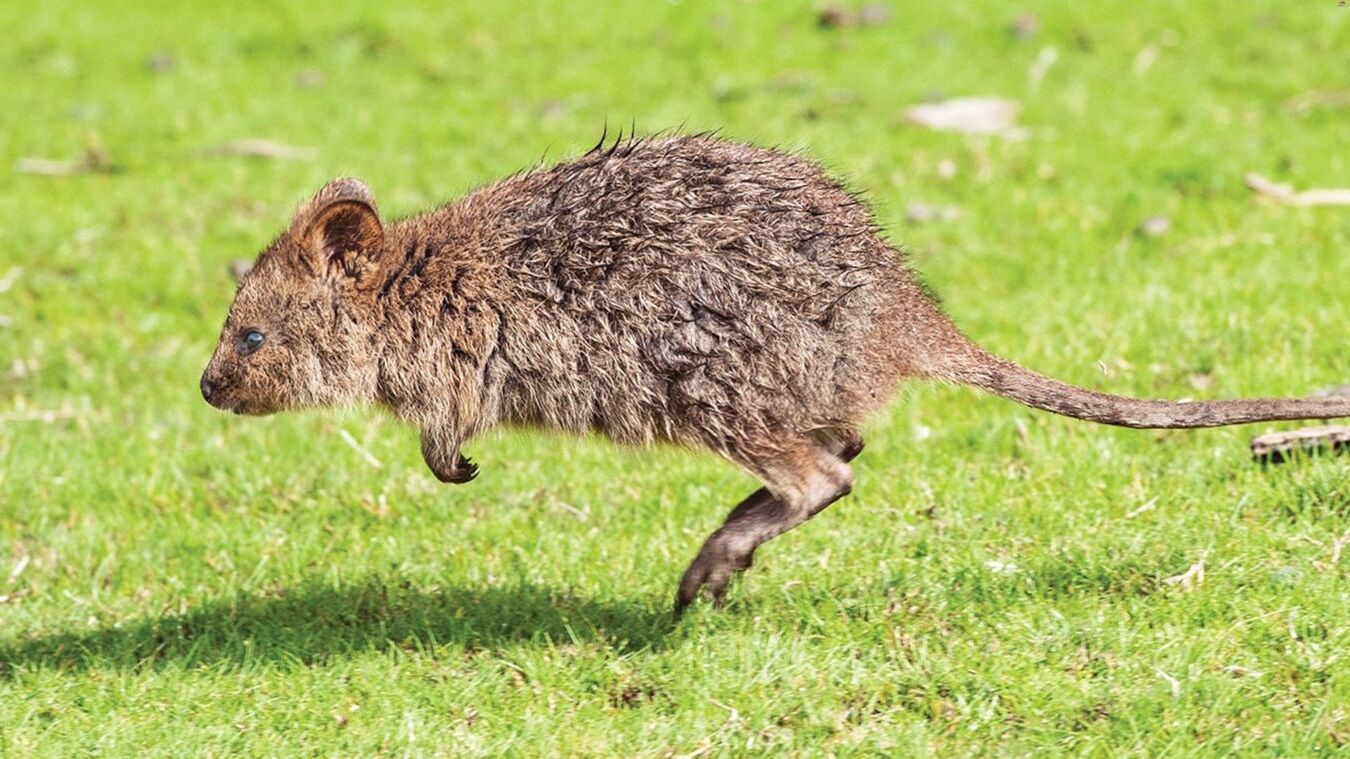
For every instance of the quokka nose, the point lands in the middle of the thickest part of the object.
(208, 388)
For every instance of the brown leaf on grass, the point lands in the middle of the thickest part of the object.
(161, 62)
(836, 17)
(976, 115)
(1024, 27)
(833, 17)
(1285, 193)
(94, 161)
(249, 148)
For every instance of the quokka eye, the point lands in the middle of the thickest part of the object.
(251, 341)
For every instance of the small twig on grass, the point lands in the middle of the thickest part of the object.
(19, 566)
(1276, 447)
(573, 510)
(377, 507)
(10, 277)
(1192, 577)
(1285, 193)
(1338, 545)
(95, 160)
(1336, 391)
(1172, 682)
(1147, 506)
(45, 416)
(1044, 60)
(277, 151)
(734, 717)
(355, 446)
(1144, 59)
(975, 115)
(1307, 101)
(704, 747)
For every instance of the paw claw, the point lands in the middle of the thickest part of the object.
(468, 469)
(463, 471)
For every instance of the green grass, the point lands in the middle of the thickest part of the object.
(177, 581)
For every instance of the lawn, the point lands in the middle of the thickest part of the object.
(177, 581)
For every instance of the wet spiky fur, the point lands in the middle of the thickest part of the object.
(681, 288)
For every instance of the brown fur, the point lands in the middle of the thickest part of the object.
(681, 289)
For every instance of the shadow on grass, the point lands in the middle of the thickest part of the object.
(315, 623)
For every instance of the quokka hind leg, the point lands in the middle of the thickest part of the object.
(799, 483)
(845, 444)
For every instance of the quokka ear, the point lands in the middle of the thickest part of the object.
(340, 230)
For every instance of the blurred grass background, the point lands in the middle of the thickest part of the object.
(176, 581)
